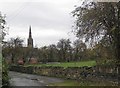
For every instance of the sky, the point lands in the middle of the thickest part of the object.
(50, 20)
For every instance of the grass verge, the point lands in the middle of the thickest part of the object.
(83, 83)
(68, 64)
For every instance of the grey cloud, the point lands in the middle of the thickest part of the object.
(50, 21)
(42, 15)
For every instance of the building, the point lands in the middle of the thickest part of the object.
(30, 39)
(27, 54)
(30, 50)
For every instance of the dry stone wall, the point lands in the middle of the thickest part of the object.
(77, 73)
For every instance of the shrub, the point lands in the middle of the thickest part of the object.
(5, 78)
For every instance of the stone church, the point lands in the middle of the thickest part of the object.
(29, 53)
(30, 39)
(30, 45)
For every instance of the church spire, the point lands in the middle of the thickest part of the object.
(30, 35)
(30, 40)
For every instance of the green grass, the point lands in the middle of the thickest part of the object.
(65, 83)
(0, 61)
(68, 64)
(0, 58)
(82, 83)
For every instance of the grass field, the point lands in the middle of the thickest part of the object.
(68, 64)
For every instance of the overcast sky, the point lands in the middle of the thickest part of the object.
(50, 20)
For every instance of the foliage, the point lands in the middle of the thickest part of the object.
(5, 77)
(0, 69)
(79, 50)
(99, 20)
(53, 53)
(64, 48)
(12, 49)
(64, 51)
(3, 27)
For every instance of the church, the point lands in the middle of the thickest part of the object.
(30, 39)
(30, 50)
(28, 54)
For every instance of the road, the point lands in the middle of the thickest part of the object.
(21, 79)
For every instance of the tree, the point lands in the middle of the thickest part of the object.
(3, 27)
(103, 53)
(43, 54)
(79, 49)
(15, 42)
(13, 49)
(52, 53)
(64, 47)
(100, 20)
(5, 78)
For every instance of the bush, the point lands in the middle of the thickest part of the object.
(5, 78)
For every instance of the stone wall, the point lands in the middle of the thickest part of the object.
(22, 69)
(77, 73)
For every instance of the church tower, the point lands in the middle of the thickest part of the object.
(30, 40)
